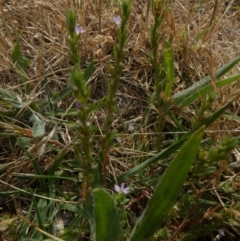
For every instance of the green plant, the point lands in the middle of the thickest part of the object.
(89, 151)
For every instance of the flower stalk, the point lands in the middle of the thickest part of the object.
(78, 82)
(158, 98)
(115, 72)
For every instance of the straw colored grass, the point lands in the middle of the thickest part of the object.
(40, 27)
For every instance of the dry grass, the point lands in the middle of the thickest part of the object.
(41, 29)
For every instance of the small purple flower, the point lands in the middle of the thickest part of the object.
(117, 19)
(221, 233)
(121, 188)
(78, 104)
(79, 30)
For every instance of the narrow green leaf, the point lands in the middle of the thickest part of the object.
(30, 239)
(50, 104)
(168, 189)
(61, 94)
(207, 89)
(91, 220)
(57, 162)
(10, 192)
(169, 68)
(19, 60)
(88, 72)
(79, 214)
(22, 65)
(54, 177)
(24, 225)
(227, 67)
(232, 116)
(5, 166)
(107, 224)
(41, 209)
(203, 86)
(174, 147)
(98, 104)
(34, 163)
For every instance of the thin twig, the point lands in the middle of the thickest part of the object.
(100, 16)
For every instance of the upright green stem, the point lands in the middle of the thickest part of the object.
(115, 72)
(158, 9)
(78, 79)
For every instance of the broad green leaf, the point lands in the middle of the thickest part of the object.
(38, 128)
(174, 147)
(11, 98)
(107, 224)
(168, 189)
(203, 86)
(169, 68)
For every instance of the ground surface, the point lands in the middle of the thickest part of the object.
(204, 35)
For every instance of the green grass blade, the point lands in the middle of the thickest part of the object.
(203, 86)
(61, 95)
(168, 189)
(4, 167)
(174, 147)
(22, 65)
(80, 213)
(24, 226)
(40, 216)
(54, 177)
(232, 116)
(51, 108)
(169, 68)
(107, 224)
(58, 96)
(98, 104)
(57, 162)
(50, 104)
(34, 163)
(88, 72)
